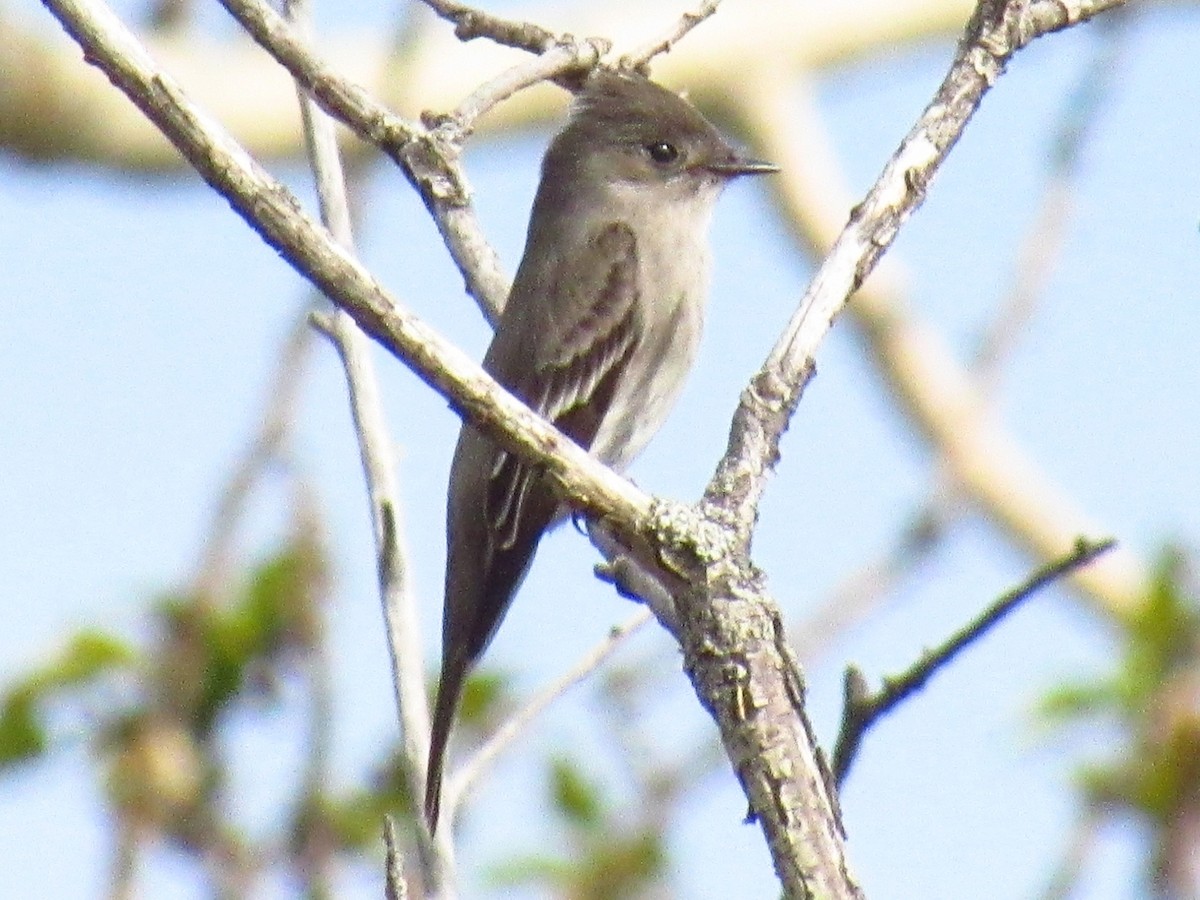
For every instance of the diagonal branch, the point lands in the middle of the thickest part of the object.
(640, 57)
(470, 23)
(1035, 259)
(428, 157)
(275, 214)
(995, 33)
(483, 758)
(863, 708)
(376, 455)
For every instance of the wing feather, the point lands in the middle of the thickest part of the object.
(591, 327)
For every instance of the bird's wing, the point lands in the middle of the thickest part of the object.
(589, 327)
(560, 348)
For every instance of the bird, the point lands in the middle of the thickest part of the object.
(600, 328)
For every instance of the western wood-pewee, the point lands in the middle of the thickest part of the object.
(598, 333)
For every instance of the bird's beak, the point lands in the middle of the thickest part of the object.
(740, 165)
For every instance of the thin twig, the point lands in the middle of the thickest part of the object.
(995, 33)
(428, 160)
(396, 885)
(470, 23)
(466, 775)
(635, 577)
(639, 59)
(564, 57)
(378, 462)
(399, 607)
(863, 708)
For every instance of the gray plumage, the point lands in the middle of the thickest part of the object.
(600, 329)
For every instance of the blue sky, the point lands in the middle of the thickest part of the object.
(141, 321)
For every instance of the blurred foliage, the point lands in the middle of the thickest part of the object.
(1152, 700)
(577, 799)
(88, 659)
(487, 698)
(610, 855)
(222, 653)
(150, 715)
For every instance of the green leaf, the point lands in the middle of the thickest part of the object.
(356, 820)
(576, 798)
(1153, 764)
(92, 653)
(1078, 701)
(620, 865)
(246, 635)
(531, 869)
(272, 593)
(21, 735)
(89, 655)
(483, 694)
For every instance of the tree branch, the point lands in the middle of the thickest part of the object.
(272, 211)
(466, 775)
(639, 58)
(378, 462)
(427, 158)
(864, 708)
(427, 154)
(934, 390)
(1035, 258)
(997, 30)
(470, 23)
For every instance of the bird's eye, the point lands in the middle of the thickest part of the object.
(663, 152)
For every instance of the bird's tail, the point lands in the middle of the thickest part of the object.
(450, 688)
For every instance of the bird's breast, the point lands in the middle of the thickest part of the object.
(673, 277)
